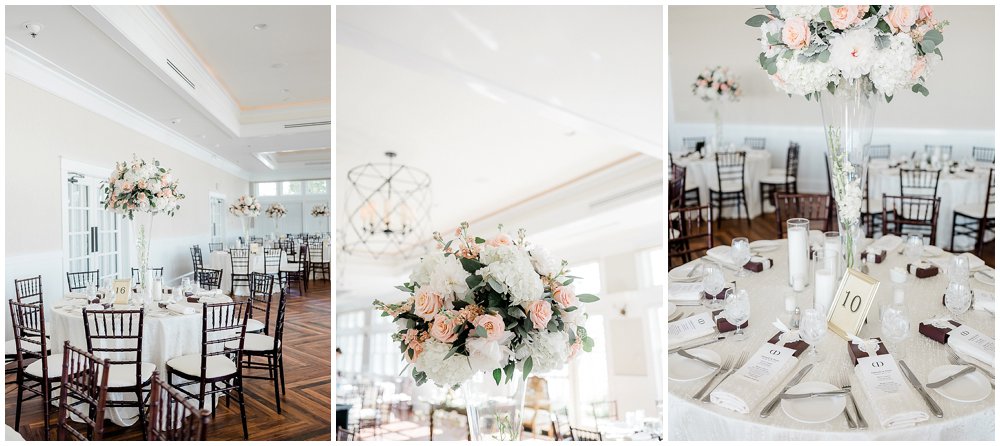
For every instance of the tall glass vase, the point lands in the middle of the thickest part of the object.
(142, 229)
(848, 120)
(494, 411)
(717, 116)
(245, 221)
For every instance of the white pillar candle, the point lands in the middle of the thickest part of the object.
(824, 286)
(831, 253)
(798, 254)
(789, 303)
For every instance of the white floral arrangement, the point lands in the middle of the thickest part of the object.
(320, 210)
(245, 206)
(716, 84)
(141, 186)
(276, 210)
(497, 305)
(809, 49)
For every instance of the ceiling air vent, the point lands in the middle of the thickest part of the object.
(306, 124)
(180, 73)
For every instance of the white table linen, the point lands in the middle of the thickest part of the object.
(701, 173)
(693, 420)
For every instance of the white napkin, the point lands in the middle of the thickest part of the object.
(757, 379)
(181, 309)
(970, 342)
(887, 242)
(689, 328)
(721, 254)
(75, 295)
(983, 300)
(895, 401)
(974, 262)
(684, 291)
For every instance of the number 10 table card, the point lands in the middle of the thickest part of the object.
(851, 303)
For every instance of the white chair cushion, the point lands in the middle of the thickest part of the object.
(777, 179)
(55, 367)
(974, 210)
(254, 325)
(123, 375)
(777, 171)
(216, 366)
(727, 186)
(254, 342)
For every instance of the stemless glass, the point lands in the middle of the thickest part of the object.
(713, 283)
(957, 298)
(812, 328)
(895, 328)
(740, 254)
(738, 311)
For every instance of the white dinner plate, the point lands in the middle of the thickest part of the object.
(671, 309)
(968, 388)
(764, 245)
(680, 274)
(814, 410)
(982, 277)
(680, 368)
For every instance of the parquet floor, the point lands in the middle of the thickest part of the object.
(305, 408)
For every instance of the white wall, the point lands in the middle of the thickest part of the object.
(41, 131)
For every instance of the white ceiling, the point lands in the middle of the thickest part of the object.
(498, 104)
(94, 54)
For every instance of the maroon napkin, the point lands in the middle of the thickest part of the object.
(725, 326)
(856, 352)
(879, 256)
(922, 271)
(799, 346)
(758, 264)
(720, 296)
(937, 334)
(193, 299)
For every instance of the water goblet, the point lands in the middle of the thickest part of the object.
(812, 328)
(895, 327)
(958, 270)
(740, 254)
(914, 248)
(738, 311)
(713, 283)
(958, 298)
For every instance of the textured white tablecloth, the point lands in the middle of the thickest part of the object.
(221, 260)
(11, 435)
(702, 172)
(163, 338)
(693, 420)
(954, 189)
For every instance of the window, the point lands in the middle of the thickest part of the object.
(291, 188)
(589, 281)
(317, 187)
(653, 266)
(267, 189)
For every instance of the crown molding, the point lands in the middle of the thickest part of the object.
(24, 64)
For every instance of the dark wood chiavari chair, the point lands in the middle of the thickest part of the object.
(267, 348)
(580, 434)
(28, 291)
(675, 190)
(83, 394)
(35, 378)
(316, 263)
(295, 258)
(261, 290)
(730, 187)
(560, 425)
(137, 278)
(690, 232)
(272, 265)
(984, 154)
(196, 259)
(117, 335)
(815, 207)
(216, 370)
(903, 215)
(945, 148)
(212, 247)
(209, 279)
(344, 434)
(755, 143)
(171, 417)
(693, 143)
(786, 182)
(879, 151)
(976, 218)
(78, 281)
(239, 261)
(918, 182)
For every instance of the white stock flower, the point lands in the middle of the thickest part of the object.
(510, 266)
(802, 78)
(849, 203)
(807, 12)
(853, 52)
(893, 66)
(548, 350)
(448, 278)
(444, 372)
(543, 262)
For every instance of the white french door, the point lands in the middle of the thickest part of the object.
(93, 235)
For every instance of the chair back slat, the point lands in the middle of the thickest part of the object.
(918, 182)
(755, 143)
(117, 336)
(690, 231)
(902, 215)
(261, 292)
(730, 167)
(209, 279)
(223, 323)
(172, 417)
(693, 143)
(28, 323)
(879, 151)
(28, 290)
(815, 207)
(945, 148)
(675, 191)
(137, 278)
(83, 394)
(239, 260)
(196, 259)
(984, 154)
(272, 260)
(78, 281)
(792, 162)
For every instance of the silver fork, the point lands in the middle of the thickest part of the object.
(743, 359)
(955, 359)
(725, 368)
(845, 384)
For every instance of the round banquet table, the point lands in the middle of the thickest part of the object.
(164, 337)
(701, 173)
(689, 419)
(221, 260)
(955, 189)
(11, 435)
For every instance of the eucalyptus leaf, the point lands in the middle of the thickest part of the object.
(588, 298)
(934, 36)
(480, 240)
(480, 331)
(527, 367)
(568, 281)
(470, 265)
(773, 10)
(496, 376)
(824, 56)
(917, 88)
(831, 87)
(824, 14)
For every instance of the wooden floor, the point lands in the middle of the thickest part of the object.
(765, 227)
(305, 408)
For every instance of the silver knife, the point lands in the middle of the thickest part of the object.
(933, 406)
(701, 360)
(795, 396)
(950, 378)
(688, 347)
(795, 380)
(691, 273)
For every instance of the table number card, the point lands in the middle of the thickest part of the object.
(851, 303)
(121, 289)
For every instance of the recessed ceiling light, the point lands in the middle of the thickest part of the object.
(175, 120)
(259, 27)
(203, 136)
(279, 65)
(218, 145)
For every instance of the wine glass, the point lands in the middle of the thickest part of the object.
(738, 311)
(959, 269)
(958, 298)
(740, 254)
(812, 328)
(914, 248)
(895, 327)
(713, 282)
(91, 290)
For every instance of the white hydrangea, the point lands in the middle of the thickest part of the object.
(807, 12)
(510, 267)
(802, 78)
(548, 350)
(773, 27)
(544, 263)
(422, 275)
(893, 66)
(444, 372)
(854, 52)
(449, 277)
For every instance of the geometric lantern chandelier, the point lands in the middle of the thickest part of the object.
(388, 210)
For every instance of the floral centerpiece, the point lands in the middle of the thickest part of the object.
(498, 306)
(849, 57)
(245, 207)
(320, 210)
(140, 190)
(715, 86)
(275, 212)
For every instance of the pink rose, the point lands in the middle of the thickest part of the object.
(564, 296)
(540, 312)
(418, 348)
(427, 304)
(126, 186)
(492, 323)
(574, 349)
(443, 328)
(141, 184)
(844, 16)
(500, 240)
(795, 34)
(926, 13)
(901, 18)
(724, 87)
(918, 68)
